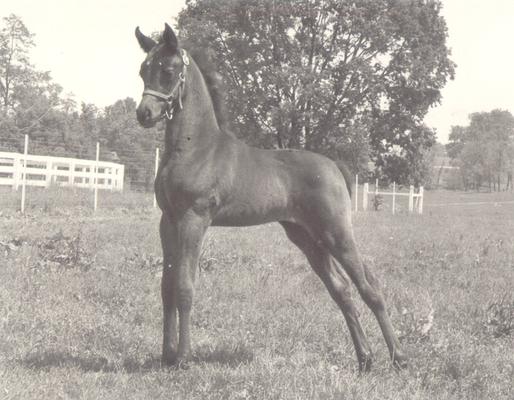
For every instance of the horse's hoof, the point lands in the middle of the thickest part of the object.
(400, 361)
(365, 363)
(169, 359)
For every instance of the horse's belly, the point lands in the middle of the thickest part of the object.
(244, 220)
(250, 213)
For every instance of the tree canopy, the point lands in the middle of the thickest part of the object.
(332, 76)
(484, 150)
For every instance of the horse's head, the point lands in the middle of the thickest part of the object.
(163, 73)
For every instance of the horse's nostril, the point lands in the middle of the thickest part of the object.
(143, 114)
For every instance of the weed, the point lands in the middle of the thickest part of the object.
(499, 316)
(63, 251)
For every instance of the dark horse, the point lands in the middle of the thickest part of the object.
(208, 177)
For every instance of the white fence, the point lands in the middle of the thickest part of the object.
(24, 169)
(44, 171)
(415, 199)
(30, 170)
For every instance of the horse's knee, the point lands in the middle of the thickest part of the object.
(167, 292)
(185, 293)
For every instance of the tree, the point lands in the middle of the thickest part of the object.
(407, 157)
(304, 73)
(483, 149)
(354, 150)
(27, 97)
(15, 42)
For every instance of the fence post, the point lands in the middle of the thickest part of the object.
(155, 174)
(95, 179)
(71, 177)
(420, 204)
(376, 187)
(16, 175)
(365, 196)
(394, 197)
(24, 177)
(356, 192)
(411, 198)
(48, 173)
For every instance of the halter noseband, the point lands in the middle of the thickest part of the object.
(179, 86)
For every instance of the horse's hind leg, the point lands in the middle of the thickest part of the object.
(340, 241)
(337, 284)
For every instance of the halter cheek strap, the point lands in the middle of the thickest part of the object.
(170, 97)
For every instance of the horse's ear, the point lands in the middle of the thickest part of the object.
(169, 37)
(145, 42)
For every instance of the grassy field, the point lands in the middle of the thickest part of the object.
(80, 314)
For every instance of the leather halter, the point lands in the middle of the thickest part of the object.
(170, 97)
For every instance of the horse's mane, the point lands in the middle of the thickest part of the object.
(204, 60)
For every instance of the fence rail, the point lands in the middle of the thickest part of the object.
(24, 169)
(44, 171)
(415, 200)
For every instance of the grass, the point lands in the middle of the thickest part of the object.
(57, 200)
(80, 314)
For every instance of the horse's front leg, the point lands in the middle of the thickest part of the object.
(168, 294)
(183, 241)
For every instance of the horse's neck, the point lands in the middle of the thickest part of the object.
(194, 127)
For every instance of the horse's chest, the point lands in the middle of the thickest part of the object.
(179, 188)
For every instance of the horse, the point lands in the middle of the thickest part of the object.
(208, 177)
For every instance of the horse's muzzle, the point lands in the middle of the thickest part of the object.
(149, 112)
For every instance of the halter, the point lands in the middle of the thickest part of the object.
(179, 86)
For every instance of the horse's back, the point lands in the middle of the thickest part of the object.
(278, 185)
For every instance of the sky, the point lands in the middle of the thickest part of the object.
(90, 50)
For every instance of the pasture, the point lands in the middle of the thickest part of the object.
(80, 308)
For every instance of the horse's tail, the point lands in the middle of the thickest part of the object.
(348, 178)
